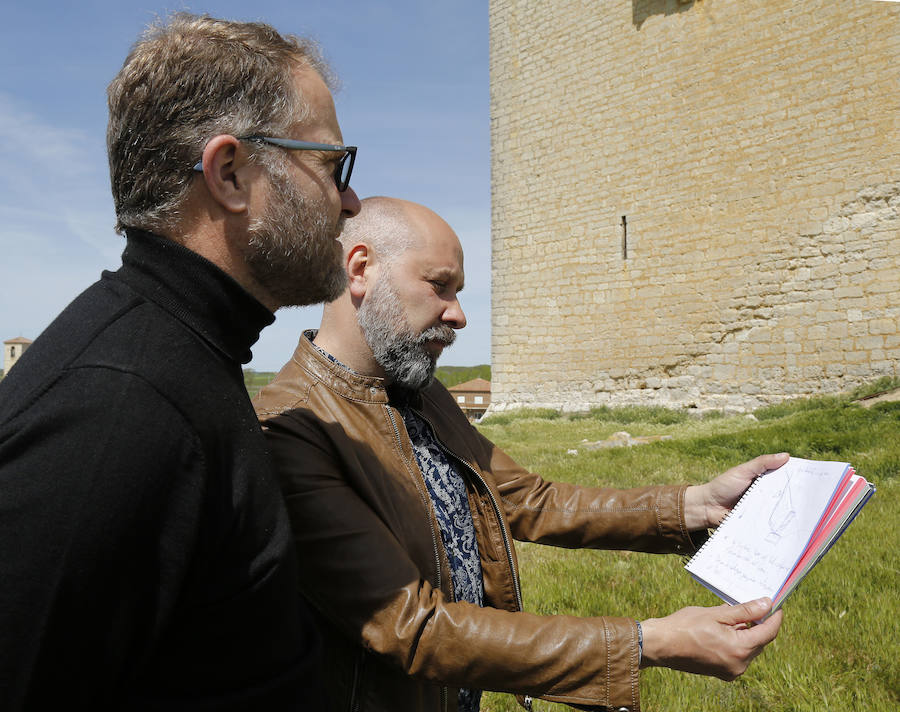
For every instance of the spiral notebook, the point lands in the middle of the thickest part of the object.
(779, 530)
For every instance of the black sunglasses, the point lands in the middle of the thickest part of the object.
(342, 170)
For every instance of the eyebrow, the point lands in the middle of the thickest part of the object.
(446, 273)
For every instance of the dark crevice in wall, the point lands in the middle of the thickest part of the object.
(641, 10)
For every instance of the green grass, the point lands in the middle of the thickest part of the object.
(839, 647)
(448, 375)
(257, 380)
(454, 375)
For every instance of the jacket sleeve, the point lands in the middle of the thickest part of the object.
(648, 519)
(357, 573)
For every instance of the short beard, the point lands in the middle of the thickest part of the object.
(397, 350)
(292, 250)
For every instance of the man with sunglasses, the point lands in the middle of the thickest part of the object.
(146, 556)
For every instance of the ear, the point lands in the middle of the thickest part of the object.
(224, 170)
(358, 263)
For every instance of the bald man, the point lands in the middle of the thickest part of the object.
(404, 515)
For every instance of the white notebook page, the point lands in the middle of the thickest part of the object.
(752, 553)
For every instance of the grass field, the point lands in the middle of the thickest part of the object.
(448, 375)
(454, 375)
(839, 647)
(257, 380)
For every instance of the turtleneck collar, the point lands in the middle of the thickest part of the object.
(195, 291)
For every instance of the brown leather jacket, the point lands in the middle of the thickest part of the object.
(376, 570)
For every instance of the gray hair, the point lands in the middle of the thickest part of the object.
(384, 224)
(183, 83)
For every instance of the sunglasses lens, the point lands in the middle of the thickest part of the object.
(344, 169)
(342, 173)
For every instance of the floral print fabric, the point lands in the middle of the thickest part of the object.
(448, 494)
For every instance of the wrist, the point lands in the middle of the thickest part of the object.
(695, 515)
(649, 642)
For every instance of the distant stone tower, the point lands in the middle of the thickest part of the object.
(13, 350)
(694, 203)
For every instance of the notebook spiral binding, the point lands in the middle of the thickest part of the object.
(727, 516)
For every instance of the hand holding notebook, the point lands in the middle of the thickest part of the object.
(782, 527)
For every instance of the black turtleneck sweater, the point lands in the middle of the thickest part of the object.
(145, 551)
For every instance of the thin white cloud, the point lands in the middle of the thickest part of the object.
(26, 136)
(56, 216)
(56, 172)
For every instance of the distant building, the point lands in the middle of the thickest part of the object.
(473, 397)
(13, 350)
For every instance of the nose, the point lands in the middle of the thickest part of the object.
(454, 315)
(350, 204)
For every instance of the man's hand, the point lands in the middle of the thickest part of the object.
(706, 505)
(719, 642)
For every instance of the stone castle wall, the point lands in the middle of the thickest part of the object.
(694, 203)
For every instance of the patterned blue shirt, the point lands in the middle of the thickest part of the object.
(451, 505)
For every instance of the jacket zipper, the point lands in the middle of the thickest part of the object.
(529, 700)
(434, 544)
(506, 544)
(512, 568)
(357, 682)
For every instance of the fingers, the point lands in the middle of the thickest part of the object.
(720, 641)
(749, 639)
(706, 505)
(765, 632)
(746, 612)
(755, 634)
(763, 463)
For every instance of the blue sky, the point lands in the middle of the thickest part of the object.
(414, 98)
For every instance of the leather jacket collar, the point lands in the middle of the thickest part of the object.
(347, 382)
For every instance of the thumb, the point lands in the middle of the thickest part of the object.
(765, 463)
(746, 612)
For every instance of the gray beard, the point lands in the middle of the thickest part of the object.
(292, 251)
(397, 350)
